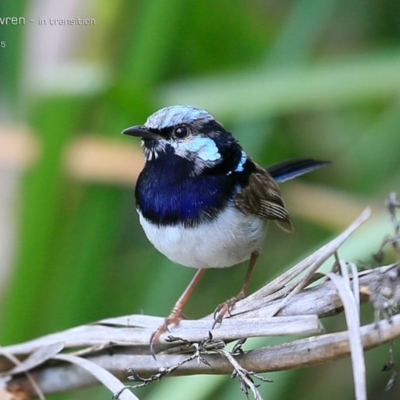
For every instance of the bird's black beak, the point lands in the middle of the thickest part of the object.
(140, 131)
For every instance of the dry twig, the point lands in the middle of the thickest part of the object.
(285, 306)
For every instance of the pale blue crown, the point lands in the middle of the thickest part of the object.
(177, 115)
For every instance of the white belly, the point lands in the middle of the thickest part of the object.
(226, 241)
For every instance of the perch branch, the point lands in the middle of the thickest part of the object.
(285, 306)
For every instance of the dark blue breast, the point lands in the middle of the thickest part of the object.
(167, 194)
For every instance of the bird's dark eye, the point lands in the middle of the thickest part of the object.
(180, 132)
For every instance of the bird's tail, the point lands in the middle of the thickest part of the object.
(290, 169)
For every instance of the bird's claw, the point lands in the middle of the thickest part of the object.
(225, 308)
(173, 318)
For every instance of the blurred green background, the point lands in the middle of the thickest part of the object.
(289, 78)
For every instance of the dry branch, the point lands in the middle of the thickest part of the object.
(285, 306)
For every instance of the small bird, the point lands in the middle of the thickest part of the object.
(202, 201)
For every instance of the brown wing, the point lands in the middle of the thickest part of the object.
(263, 197)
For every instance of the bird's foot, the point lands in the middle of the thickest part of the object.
(175, 316)
(226, 308)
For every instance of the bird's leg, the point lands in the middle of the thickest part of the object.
(177, 312)
(227, 306)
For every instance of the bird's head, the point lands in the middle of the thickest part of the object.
(190, 133)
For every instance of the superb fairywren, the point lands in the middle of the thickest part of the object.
(202, 201)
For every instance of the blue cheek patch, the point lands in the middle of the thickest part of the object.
(203, 147)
